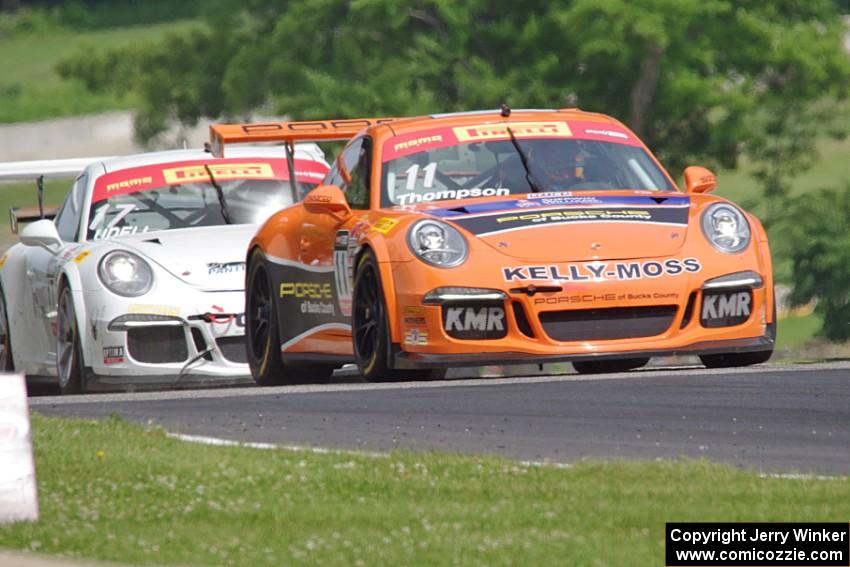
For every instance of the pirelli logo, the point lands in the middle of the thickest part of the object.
(220, 171)
(520, 129)
(128, 183)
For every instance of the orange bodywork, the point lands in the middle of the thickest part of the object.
(595, 268)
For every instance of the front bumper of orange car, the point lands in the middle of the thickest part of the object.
(724, 307)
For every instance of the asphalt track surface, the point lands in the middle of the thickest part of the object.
(774, 419)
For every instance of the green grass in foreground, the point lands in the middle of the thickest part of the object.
(117, 492)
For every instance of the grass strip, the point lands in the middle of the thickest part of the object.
(114, 491)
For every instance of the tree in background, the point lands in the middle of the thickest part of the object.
(697, 79)
(820, 253)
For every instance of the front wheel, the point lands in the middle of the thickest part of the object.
(69, 352)
(605, 366)
(262, 339)
(370, 330)
(730, 360)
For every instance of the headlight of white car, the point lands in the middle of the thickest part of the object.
(726, 227)
(437, 243)
(125, 273)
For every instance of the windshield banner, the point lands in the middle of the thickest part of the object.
(166, 174)
(424, 140)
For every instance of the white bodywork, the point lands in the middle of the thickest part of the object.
(198, 287)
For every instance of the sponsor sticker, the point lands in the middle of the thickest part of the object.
(414, 315)
(113, 354)
(601, 271)
(301, 290)
(487, 322)
(385, 224)
(501, 222)
(480, 132)
(724, 309)
(416, 337)
(318, 308)
(129, 183)
(216, 268)
(573, 298)
(220, 171)
(171, 310)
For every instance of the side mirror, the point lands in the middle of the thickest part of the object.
(328, 199)
(41, 233)
(699, 179)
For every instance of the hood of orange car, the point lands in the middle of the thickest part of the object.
(587, 227)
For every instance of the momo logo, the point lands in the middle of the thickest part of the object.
(474, 322)
(220, 171)
(128, 183)
(302, 290)
(520, 130)
(726, 309)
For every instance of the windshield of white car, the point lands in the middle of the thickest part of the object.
(249, 201)
(495, 167)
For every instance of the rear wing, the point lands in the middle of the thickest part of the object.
(37, 171)
(288, 132)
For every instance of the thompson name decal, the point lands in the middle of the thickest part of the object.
(623, 271)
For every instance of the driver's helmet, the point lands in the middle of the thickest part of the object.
(558, 161)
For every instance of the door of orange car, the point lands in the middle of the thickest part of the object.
(329, 231)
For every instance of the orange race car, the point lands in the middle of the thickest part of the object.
(499, 237)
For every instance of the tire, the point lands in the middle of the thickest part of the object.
(370, 330)
(70, 364)
(262, 337)
(604, 366)
(7, 361)
(732, 359)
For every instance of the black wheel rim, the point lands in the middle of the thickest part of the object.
(259, 313)
(368, 314)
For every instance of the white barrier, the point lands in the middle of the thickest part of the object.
(18, 499)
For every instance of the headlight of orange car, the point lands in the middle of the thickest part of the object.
(726, 228)
(437, 243)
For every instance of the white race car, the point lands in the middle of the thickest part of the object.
(139, 279)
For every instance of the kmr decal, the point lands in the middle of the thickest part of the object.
(726, 309)
(622, 271)
(474, 322)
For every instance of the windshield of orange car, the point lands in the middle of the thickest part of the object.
(172, 196)
(483, 160)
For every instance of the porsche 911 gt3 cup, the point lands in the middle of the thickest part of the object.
(139, 280)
